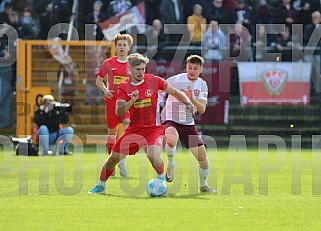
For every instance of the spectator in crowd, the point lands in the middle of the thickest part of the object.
(152, 10)
(171, 12)
(285, 45)
(4, 16)
(2, 4)
(70, 78)
(28, 21)
(216, 12)
(24, 30)
(305, 9)
(263, 10)
(196, 25)
(154, 39)
(240, 43)
(313, 56)
(213, 41)
(94, 18)
(49, 118)
(243, 14)
(285, 14)
(118, 7)
(261, 42)
(51, 13)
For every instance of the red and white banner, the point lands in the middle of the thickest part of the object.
(217, 77)
(132, 17)
(274, 83)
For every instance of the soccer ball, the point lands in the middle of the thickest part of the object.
(156, 188)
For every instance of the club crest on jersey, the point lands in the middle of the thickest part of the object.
(274, 80)
(149, 92)
(196, 92)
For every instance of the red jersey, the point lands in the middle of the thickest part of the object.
(116, 72)
(144, 112)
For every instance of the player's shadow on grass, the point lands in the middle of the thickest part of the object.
(171, 196)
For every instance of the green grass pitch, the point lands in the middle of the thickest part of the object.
(257, 190)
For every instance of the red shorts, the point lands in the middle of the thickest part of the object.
(112, 119)
(188, 134)
(135, 137)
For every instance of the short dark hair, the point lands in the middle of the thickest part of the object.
(195, 59)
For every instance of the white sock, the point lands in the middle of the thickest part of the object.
(203, 173)
(170, 153)
(102, 183)
(161, 176)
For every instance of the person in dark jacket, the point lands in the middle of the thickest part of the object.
(49, 117)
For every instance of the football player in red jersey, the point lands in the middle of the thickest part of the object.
(114, 70)
(139, 96)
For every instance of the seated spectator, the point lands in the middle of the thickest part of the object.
(94, 17)
(48, 118)
(2, 3)
(213, 41)
(196, 25)
(261, 42)
(305, 9)
(285, 44)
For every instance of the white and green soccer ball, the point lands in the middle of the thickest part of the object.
(156, 188)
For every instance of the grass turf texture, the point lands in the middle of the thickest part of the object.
(59, 200)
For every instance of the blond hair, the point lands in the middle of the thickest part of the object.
(47, 98)
(126, 37)
(136, 59)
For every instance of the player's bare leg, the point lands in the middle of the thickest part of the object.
(203, 170)
(172, 137)
(107, 170)
(155, 158)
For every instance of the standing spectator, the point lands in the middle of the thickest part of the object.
(118, 7)
(240, 43)
(2, 4)
(214, 41)
(216, 12)
(28, 21)
(243, 14)
(196, 25)
(139, 95)
(95, 17)
(154, 40)
(285, 14)
(171, 12)
(70, 71)
(261, 42)
(151, 10)
(24, 30)
(305, 9)
(4, 16)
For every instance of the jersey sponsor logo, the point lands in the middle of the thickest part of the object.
(140, 103)
(118, 79)
(196, 92)
(149, 92)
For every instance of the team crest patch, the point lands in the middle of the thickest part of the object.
(196, 92)
(149, 92)
(274, 80)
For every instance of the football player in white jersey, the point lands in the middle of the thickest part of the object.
(179, 122)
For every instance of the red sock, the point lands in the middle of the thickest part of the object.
(105, 174)
(160, 169)
(110, 143)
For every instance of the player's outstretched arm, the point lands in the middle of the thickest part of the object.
(101, 86)
(180, 96)
(200, 105)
